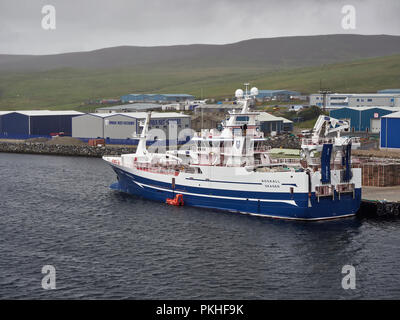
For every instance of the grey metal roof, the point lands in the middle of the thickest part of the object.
(50, 113)
(265, 116)
(140, 115)
(275, 91)
(369, 108)
(133, 106)
(44, 112)
(392, 115)
(160, 94)
(389, 91)
(218, 106)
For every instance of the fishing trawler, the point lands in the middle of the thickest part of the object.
(232, 169)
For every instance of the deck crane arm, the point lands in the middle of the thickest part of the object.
(331, 125)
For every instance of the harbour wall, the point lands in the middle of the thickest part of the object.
(63, 150)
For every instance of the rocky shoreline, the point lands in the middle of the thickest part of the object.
(284, 141)
(63, 150)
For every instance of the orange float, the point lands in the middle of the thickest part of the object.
(177, 201)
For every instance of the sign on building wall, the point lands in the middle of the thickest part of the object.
(119, 123)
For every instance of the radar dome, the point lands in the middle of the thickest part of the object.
(254, 91)
(239, 93)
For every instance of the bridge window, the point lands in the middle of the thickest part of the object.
(242, 118)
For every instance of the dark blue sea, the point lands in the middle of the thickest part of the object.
(60, 211)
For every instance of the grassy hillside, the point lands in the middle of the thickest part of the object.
(68, 88)
(304, 51)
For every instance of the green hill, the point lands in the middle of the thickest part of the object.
(272, 53)
(68, 88)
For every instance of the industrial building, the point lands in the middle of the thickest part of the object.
(173, 107)
(390, 137)
(206, 121)
(35, 123)
(157, 98)
(390, 91)
(122, 128)
(215, 108)
(341, 100)
(287, 124)
(283, 95)
(269, 123)
(363, 119)
(130, 108)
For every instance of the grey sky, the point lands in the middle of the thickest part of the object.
(91, 24)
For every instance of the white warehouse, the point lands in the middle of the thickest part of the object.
(341, 100)
(124, 126)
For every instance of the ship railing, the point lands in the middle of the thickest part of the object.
(354, 160)
(157, 169)
(285, 160)
(345, 187)
(314, 161)
(320, 141)
(315, 142)
(114, 160)
(317, 161)
(206, 149)
(324, 191)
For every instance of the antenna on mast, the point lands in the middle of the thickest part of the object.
(247, 89)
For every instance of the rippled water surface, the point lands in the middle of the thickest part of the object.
(104, 244)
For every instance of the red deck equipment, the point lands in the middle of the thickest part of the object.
(177, 201)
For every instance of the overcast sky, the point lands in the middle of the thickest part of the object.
(83, 25)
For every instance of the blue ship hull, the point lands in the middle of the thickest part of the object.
(271, 204)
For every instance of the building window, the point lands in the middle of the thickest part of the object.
(370, 100)
(338, 98)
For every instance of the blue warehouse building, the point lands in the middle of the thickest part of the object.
(13, 125)
(36, 123)
(139, 97)
(390, 137)
(363, 118)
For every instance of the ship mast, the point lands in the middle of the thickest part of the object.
(141, 148)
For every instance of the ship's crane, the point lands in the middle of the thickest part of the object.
(331, 125)
(310, 147)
